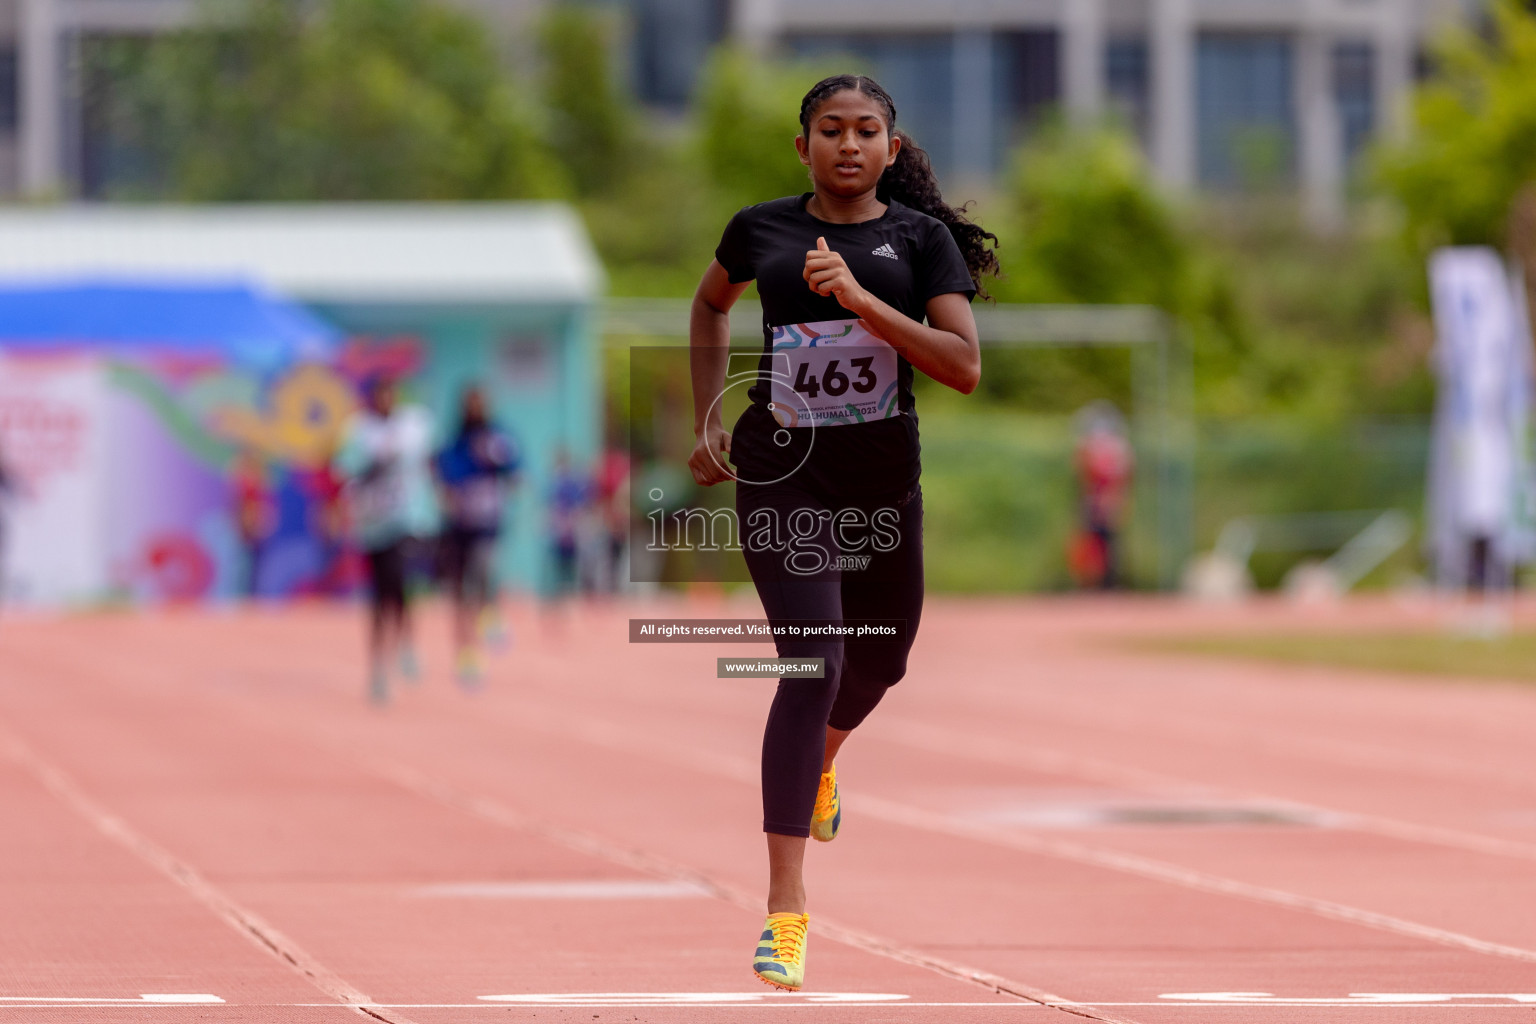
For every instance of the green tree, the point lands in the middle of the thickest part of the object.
(1091, 227)
(590, 118)
(657, 229)
(1474, 145)
(1085, 225)
(340, 100)
(747, 113)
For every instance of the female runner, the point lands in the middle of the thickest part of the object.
(826, 455)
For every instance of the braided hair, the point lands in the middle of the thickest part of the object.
(910, 180)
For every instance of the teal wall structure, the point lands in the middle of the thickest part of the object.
(539, 366)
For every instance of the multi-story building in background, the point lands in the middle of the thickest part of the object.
(1223, 93)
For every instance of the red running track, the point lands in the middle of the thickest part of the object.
(204, 821)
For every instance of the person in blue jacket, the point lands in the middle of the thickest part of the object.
(475, 473)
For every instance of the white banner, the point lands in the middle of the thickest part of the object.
(1479, 467)
(53, 447)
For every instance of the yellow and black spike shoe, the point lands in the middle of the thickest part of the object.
(828, 815)
(780, 959)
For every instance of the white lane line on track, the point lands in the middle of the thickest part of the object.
(923, 737)
(602, 849)
(615, 737)
(115, 1005)
(1292, 1007)
(933, 739)
(578, 889)
(497, 813)
(1189, 878)
(147, 999)
(242, 920)
(1356, 998)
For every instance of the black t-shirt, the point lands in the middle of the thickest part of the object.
(818, 367)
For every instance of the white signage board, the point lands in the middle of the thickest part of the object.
(1479, 472)
(53, 441)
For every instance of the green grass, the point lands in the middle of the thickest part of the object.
(998, 496)
(1508, 657)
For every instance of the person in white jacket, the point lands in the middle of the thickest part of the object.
(385, 459)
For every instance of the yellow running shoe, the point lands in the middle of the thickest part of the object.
(780, 959)
(467, 670)
(828, 815)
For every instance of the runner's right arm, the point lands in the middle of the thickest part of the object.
(709, 337)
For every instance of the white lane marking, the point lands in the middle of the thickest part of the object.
(614, 737)
(1013, 1004)
(162, 998)
(242, 920)
(896, 1007)
(584, 889)
(179, 997)
(935, 739)
(692, 998)
(1353, 999)
(1189, 878)
(491, 811)
(1122, 812)
(889, 1007)
(499, 814)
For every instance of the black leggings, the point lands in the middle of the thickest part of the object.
(858, 671)
(469, 563)
(386, 578)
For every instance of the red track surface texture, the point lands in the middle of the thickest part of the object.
(203, 820)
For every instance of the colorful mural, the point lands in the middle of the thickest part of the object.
(199, 468)
(209, 479)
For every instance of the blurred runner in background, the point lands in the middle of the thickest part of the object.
(475, 472)
(10, 488)
(255, 513)
(1104, 465)
(569, 493)
(613, 496)
(326, 489)
(384, 459)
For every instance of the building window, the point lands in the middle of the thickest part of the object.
(1128, 82)
(672, 41)
(1029, 67)
(8, 117)
(1244, 111)
(1354, 91)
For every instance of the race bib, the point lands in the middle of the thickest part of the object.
(831, 373)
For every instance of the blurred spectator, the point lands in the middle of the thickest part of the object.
(612, 487)
(255, 514)
(569, 494)
(476, 472)
(10, 488)
(384, 459)
(328, 517)
(1104, 466)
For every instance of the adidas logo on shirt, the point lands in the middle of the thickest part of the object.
(885, 250)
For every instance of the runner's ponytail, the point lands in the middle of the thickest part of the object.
(910, 180)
